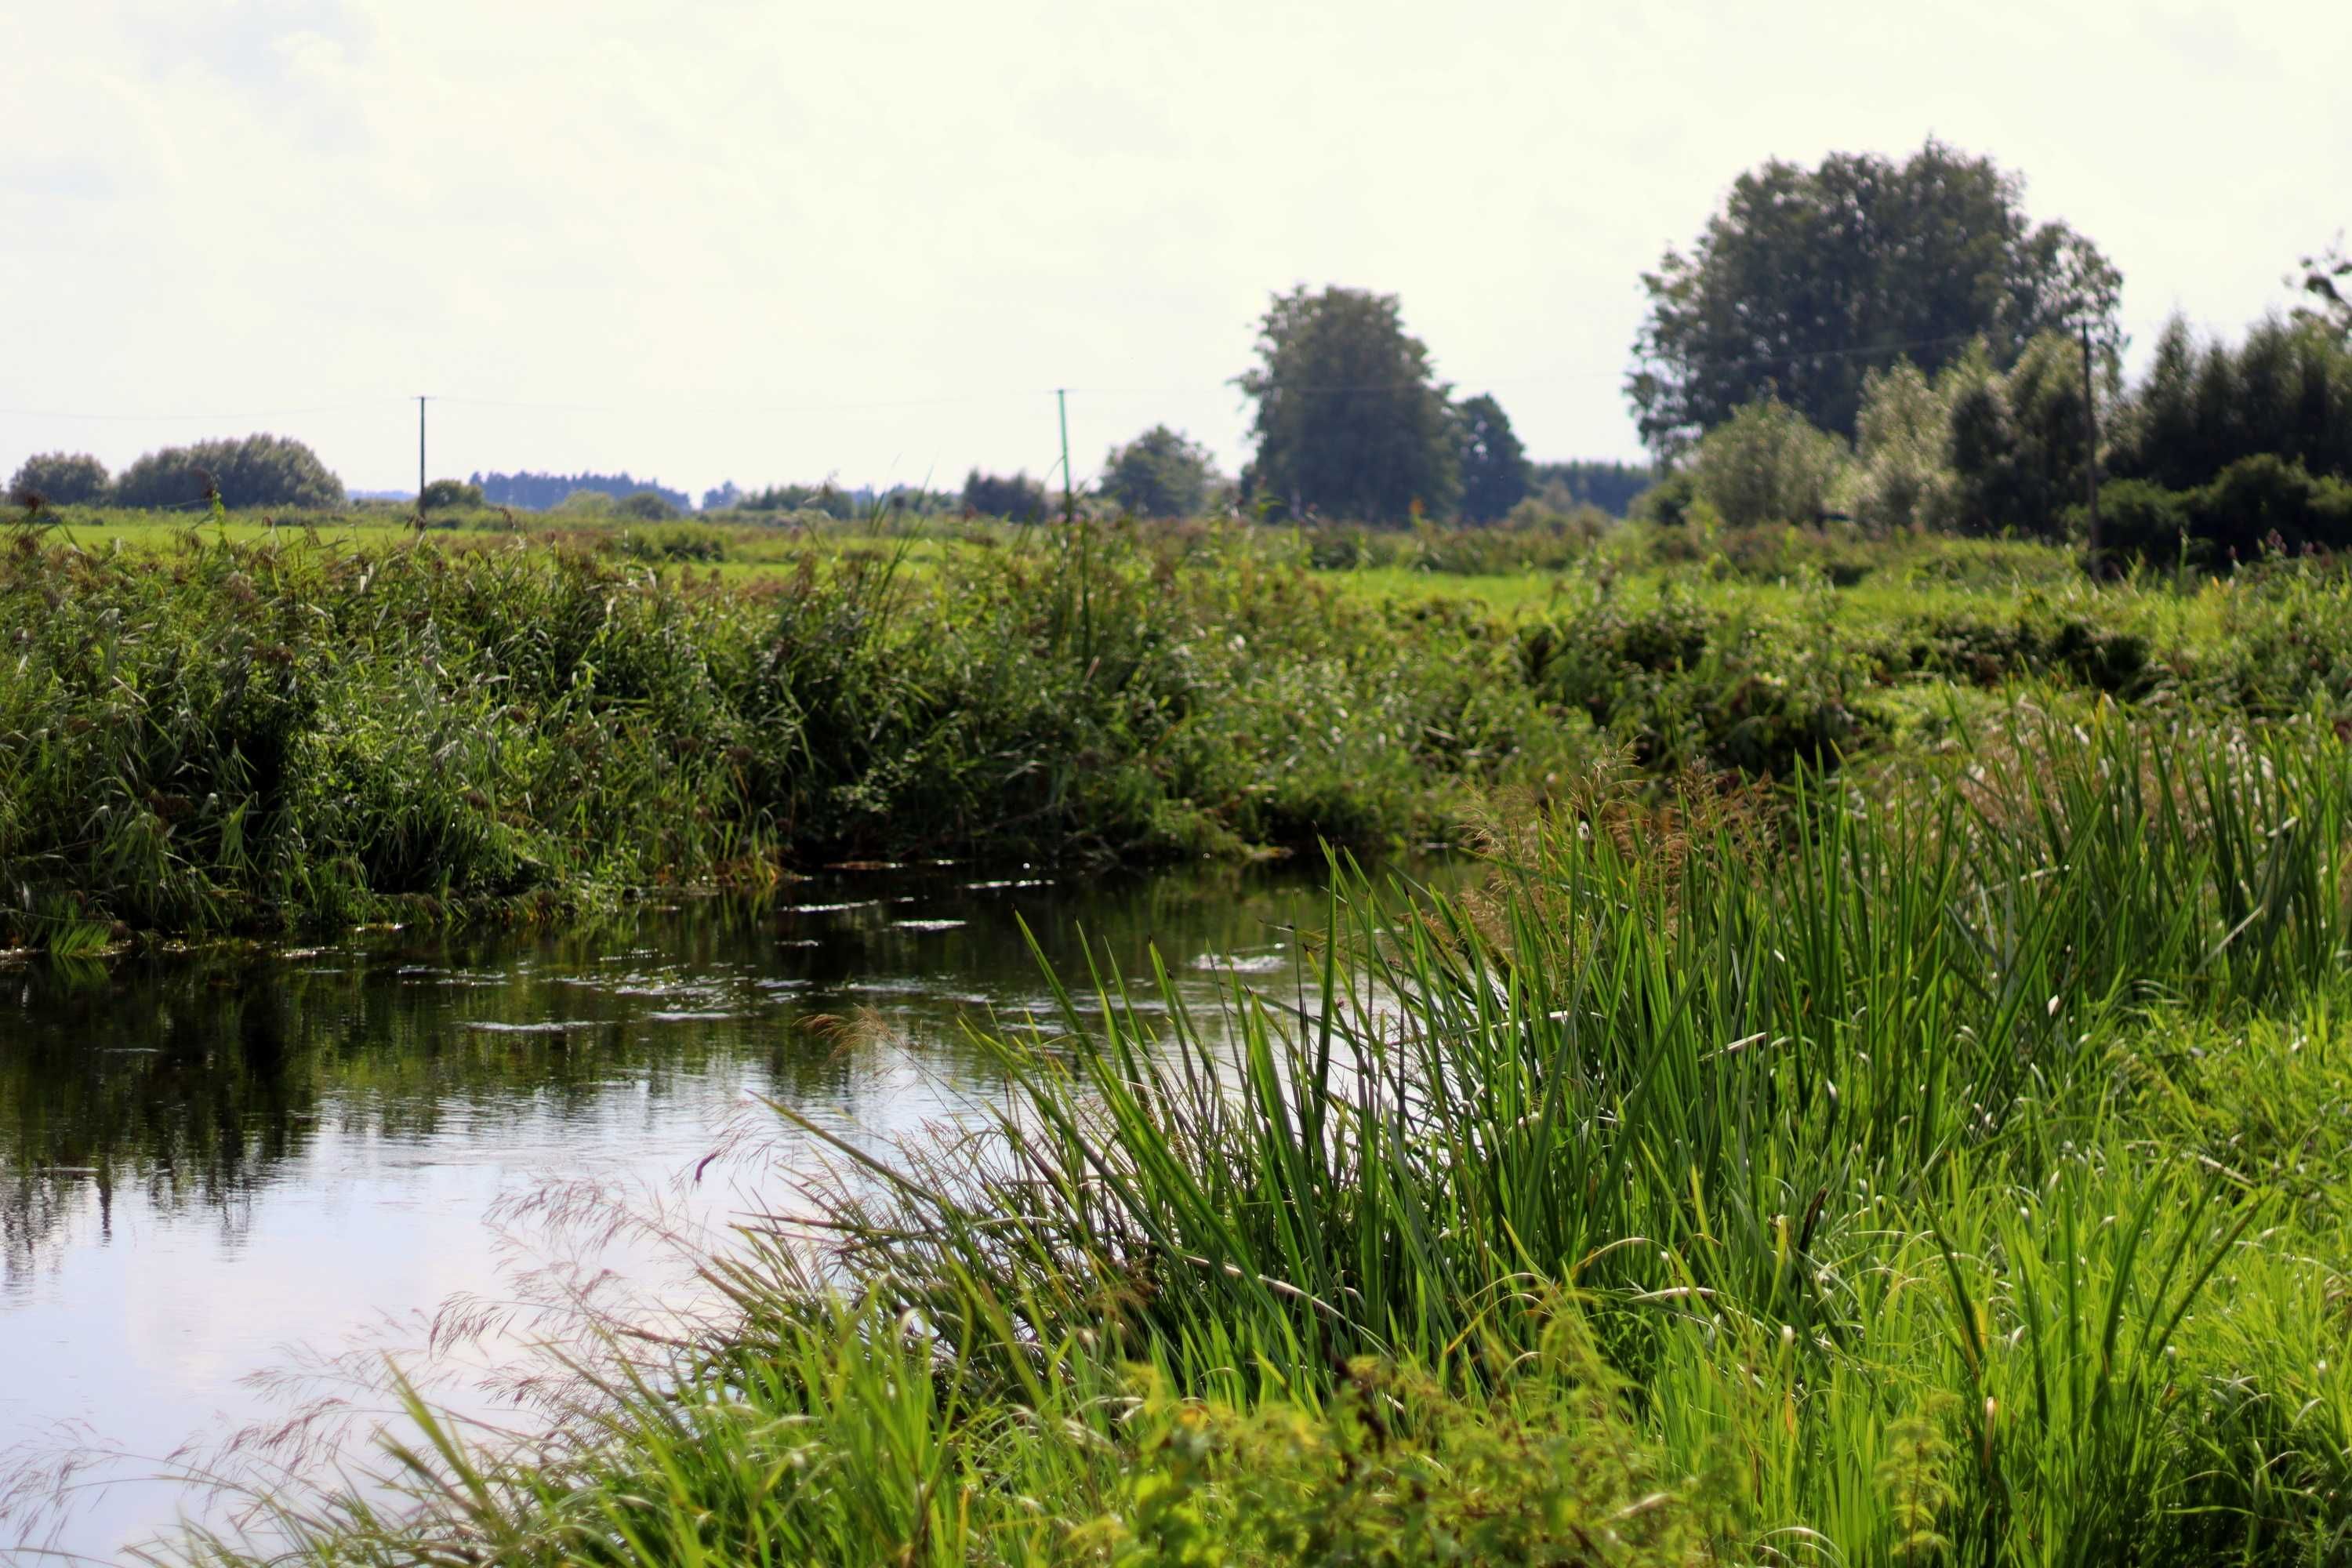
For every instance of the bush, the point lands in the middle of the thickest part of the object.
(59, 478)
(1767, 464)
(1017, 499)
(443, 495)
(257, 470)
(646, 506)
(1668, 502)
(2257, 505)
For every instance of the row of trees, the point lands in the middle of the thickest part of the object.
(249, 471)
(542, 493)
(2220, 448)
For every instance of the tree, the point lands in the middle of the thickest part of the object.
(257, 470)
(1611, 487)
(1809, 279)
(1158, 474)
(2327, 279)
(1494, 472)
(721, 497)
(2285, 389)
(1765, 464)
(2017, 440)
(443, 494)
(1350, 420)
(1903, 442)
(1017, 499)
(60, 478)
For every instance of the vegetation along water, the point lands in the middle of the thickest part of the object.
(1819, 1032)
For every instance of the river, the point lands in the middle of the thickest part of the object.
(229, 1183)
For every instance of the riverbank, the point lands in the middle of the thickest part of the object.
(1948, 1168)
(229, 729)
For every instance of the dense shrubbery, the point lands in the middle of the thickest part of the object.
(58, 479)
(1016, 499)
(254, 471)
(237, 735)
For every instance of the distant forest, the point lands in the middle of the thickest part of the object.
(1611, 487)
(539, 492)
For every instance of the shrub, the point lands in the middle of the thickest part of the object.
(1904, 477)
(254, 471)
(1016, 499)
(59, 478)
(646, 506)
(443, 495)
(1767, 464)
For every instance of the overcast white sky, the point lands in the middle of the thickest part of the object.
(701, 239)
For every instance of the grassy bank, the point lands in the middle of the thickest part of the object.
(237, 727)
(1947, 1166)
(223, 735)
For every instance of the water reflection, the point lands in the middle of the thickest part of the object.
(206, 1159)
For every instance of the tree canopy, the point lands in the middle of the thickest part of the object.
(255, 470)
(1018, 499)
(539, 492)
(1351, 421)
(1809, 279)
(1494, 472)
(1160, 473)
(59, 478)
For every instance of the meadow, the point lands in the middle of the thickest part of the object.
(1887, 1097)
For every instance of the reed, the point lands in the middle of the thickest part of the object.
(1944, 1165)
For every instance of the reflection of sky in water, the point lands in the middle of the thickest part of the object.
(210, 1170)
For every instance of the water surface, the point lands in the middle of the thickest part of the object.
(218, 1170)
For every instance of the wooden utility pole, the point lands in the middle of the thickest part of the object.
(2091, 448)
(420, 455)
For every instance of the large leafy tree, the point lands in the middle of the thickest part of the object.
(1352, 422)
(60, 478)
(255, 470)
(1494, 472)
(1809, 279)
(1158, 474)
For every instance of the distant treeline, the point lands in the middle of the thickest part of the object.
(250, 472)
(539, 492)
(1610, 487)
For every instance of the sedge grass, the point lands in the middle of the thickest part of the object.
(1850, 1183)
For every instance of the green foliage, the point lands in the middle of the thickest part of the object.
(645, 506)
(254, 471)
(1017, 499)
(1765, 464)
(249, 736)
(1494, 465)
(1158, 474)
(2260, 505)
(1610, 487)
(1809, 279)
(59, 478)
(2327, 279)
(1904, 474)
(445, 495)
(2017, 440)
(1351, 423)
(2286, 389)
(1669, 501)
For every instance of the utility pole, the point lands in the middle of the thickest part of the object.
(1069, 503)
(420, 455)
(2091, 448)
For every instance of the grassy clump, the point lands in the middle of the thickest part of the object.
(1945, 1167)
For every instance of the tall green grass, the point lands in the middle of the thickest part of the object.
(1944, 1168)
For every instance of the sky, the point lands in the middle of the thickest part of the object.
(703, 240)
